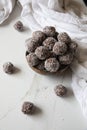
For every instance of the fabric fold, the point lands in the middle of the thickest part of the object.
(6, 7)
(79, 86)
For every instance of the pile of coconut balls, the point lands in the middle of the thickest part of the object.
(50, 51)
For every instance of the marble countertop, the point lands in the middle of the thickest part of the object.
(53, 112)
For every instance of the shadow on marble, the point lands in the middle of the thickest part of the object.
(70, 93)
(26, 29)
(17, 70)
(60, 74)
(37, 112)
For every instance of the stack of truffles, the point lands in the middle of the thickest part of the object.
(50, 51)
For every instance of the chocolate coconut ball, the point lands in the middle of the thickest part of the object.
(66, 59)
(49, 42)
(31, 44)
(8, 68)
(32, 59)
(64, 37)
(52, 65)
(39, 36)
(59, 48)
(28, 108)
(42, 52)
(60, 90)
(19, 26)
(73, 47)
(49, 31)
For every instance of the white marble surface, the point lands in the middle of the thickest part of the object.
(53, 112)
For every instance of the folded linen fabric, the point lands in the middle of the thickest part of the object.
(6, 7)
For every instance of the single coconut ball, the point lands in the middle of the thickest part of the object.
(66, 59)
(64, 37)
(49, 31)
(52, 65)
(32, 59)
(28, 108)
(8, 68)
(49, 42)
(42, 52)
(59, 48)
(19, 26)
(31, 44)
(39, 36)
(60, 90)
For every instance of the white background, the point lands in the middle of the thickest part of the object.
(53, 113)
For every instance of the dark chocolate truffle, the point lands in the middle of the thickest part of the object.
(28, 108)
(64, 37)
(49, 31)
(66, 59)
(8, 68)
(60, 90)
(32, 59)
(59, 48)
(31, 44)
(49, 42)
(19, 26)
(52, 65)
(42, 52)
(39, 36)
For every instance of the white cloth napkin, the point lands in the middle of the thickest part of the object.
(73, 20)
(6, 7)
